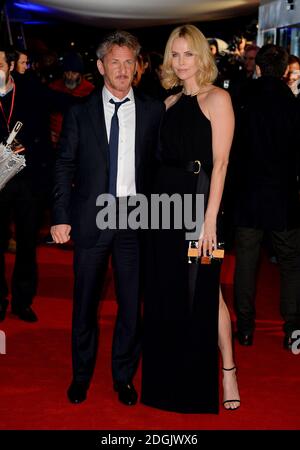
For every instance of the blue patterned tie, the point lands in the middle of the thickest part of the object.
(113, 147)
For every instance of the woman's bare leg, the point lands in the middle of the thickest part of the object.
(230, 386)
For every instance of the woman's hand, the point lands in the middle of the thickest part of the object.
(208, 237)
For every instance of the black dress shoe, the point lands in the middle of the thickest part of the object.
(3, 308)
(127, 393)
(77, 391)
(27, 314)
(245, 338)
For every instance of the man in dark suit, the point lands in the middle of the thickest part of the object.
(268, 122)
(107, 146)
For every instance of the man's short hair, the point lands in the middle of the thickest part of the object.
(294, 59)
(272, 60)
(120, 38)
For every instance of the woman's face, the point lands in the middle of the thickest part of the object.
(184, 59)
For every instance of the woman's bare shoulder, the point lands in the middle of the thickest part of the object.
(216, 93)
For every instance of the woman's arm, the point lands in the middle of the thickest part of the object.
(219, 108)
(171, 100)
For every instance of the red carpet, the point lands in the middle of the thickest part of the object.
(36, 369)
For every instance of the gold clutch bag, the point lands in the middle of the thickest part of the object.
(193, 256)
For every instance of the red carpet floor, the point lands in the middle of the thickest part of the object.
(36, 369)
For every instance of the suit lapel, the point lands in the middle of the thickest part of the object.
(96, 116)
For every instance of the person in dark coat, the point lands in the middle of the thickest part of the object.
(88, 165)
(19, 199)
(265, 167)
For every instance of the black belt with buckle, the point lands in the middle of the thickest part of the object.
(189, 166)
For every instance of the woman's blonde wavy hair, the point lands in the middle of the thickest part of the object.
(198, 44)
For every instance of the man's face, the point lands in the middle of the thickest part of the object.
(249, 61)
(118, 68)
(21, 65)
(72, 79)
(213, 49)
(293, 74)
(4, 69)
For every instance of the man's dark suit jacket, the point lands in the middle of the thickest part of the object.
(265, 157)
(82, 166)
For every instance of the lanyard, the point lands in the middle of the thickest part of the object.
(7, 120)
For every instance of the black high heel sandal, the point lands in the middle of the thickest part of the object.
(231, 400)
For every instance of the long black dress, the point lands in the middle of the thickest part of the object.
(180, 353)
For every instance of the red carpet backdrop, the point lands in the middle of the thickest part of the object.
(36, 369)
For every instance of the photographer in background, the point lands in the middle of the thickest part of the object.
(19, 198)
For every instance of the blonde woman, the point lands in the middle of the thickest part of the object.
(181, 332)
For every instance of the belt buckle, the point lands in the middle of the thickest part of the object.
(199, 164)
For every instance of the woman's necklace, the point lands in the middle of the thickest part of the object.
(192, 94)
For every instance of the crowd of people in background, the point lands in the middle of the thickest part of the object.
(235, 62)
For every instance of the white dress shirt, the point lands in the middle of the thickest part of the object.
(126, 148)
